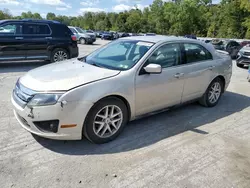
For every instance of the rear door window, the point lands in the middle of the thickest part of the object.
(11, 29)
(196, 53)
(36, 29)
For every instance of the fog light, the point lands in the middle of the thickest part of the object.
(47, 126)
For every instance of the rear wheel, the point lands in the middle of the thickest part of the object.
(59, 54)
(106, 120)
(213, 93)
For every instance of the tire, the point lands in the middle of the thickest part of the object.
(83, 41)
(206, 99)
(61, 53)
(99, 133)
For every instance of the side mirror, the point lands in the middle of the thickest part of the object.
(153, 69)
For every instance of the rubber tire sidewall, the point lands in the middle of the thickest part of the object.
(88, 131)
(56, 50)
(205, 99)
(83, 41)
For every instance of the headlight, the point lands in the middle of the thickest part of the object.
(44, 99)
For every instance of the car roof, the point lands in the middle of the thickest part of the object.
(31, 20)
(159, 38)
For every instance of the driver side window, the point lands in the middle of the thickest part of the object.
(167, 55)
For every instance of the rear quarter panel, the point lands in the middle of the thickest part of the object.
(223, 67)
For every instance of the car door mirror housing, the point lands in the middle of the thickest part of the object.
(153, 69)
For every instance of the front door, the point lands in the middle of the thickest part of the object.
(157, 91)
(37, 37)
(11, 42)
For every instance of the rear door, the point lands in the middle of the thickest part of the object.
(11, 41)
(37, 37)
(198, 70)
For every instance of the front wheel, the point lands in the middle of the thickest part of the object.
(106, 120)
(213, 93)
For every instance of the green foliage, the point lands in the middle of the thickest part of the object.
(229, 19)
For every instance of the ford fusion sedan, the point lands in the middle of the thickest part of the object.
(97, 95)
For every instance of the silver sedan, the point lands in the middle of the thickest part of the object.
(95, 96)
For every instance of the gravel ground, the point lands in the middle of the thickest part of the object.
(191, 146)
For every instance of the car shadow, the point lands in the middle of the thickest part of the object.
(147, 131)
(22, 66)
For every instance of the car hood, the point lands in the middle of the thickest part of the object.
(64, 76)
(245, 49)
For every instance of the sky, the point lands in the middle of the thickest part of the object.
(72, 7)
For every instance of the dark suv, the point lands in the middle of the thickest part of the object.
(36, 40)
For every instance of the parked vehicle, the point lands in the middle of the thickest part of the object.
(115, 34)
(149, 34)
(107, 35)
(97, 95)
(243, 57)
(36, 40)
(231, 46)
(83, 37)
(98, 34)
(122, 34)
(190, 36)
(244, 43)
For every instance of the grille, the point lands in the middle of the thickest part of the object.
(19, 101)
(22, 95)
(246, 53)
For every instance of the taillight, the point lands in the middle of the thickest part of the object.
(73, 37)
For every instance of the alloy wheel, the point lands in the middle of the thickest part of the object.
(107, 121)
(60, 56)
(214, 93)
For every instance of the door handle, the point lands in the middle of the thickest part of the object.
(211, 67)
(19, 38)
(178, 75)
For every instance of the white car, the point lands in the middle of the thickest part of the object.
(95, 96)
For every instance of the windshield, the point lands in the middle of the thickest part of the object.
(79, 30)
(119, 55)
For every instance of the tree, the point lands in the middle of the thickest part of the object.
(228, 19)
(51, 16)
